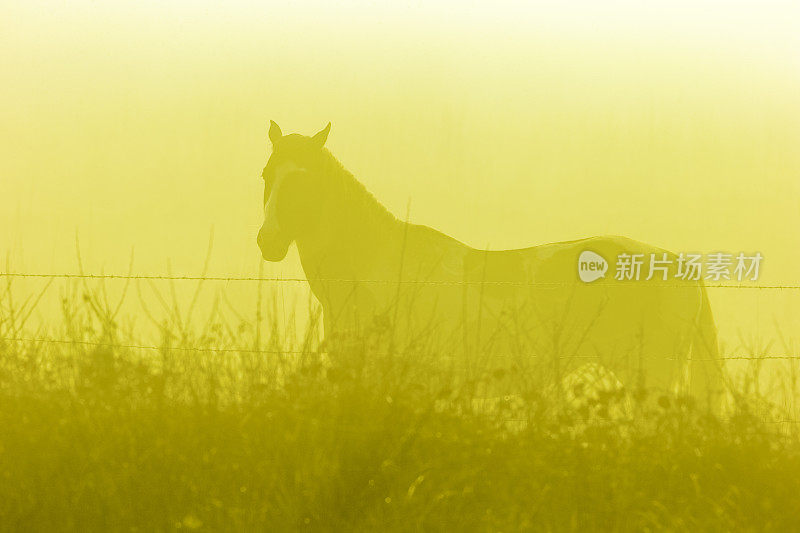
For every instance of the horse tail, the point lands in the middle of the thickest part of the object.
(705, 366)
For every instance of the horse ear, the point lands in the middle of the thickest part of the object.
(274, 132)
(320, 137)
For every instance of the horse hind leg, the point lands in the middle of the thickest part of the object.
(706, 382)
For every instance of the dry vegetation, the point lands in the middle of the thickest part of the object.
(221, 429)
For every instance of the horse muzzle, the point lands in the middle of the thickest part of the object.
(273, 245)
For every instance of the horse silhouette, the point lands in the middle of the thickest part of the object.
(367, 267)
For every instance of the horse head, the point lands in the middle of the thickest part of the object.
(289, 189)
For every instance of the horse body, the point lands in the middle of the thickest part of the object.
(496, 309)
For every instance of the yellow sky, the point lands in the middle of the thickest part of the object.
(143, 125)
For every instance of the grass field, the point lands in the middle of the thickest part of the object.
(224, 429)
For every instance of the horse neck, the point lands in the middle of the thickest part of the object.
(356, 235)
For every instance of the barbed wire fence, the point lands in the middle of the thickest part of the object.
(165, 277)
(38, 340)
(280, 279)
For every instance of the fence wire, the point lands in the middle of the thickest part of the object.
(163, 277)
(48, 340)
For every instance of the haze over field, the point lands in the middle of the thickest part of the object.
(132, 140)
(143, 126)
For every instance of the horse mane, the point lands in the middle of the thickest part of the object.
(363, 203)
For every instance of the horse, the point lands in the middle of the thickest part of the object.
(368, 268)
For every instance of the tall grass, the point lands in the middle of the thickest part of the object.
(233, 425)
